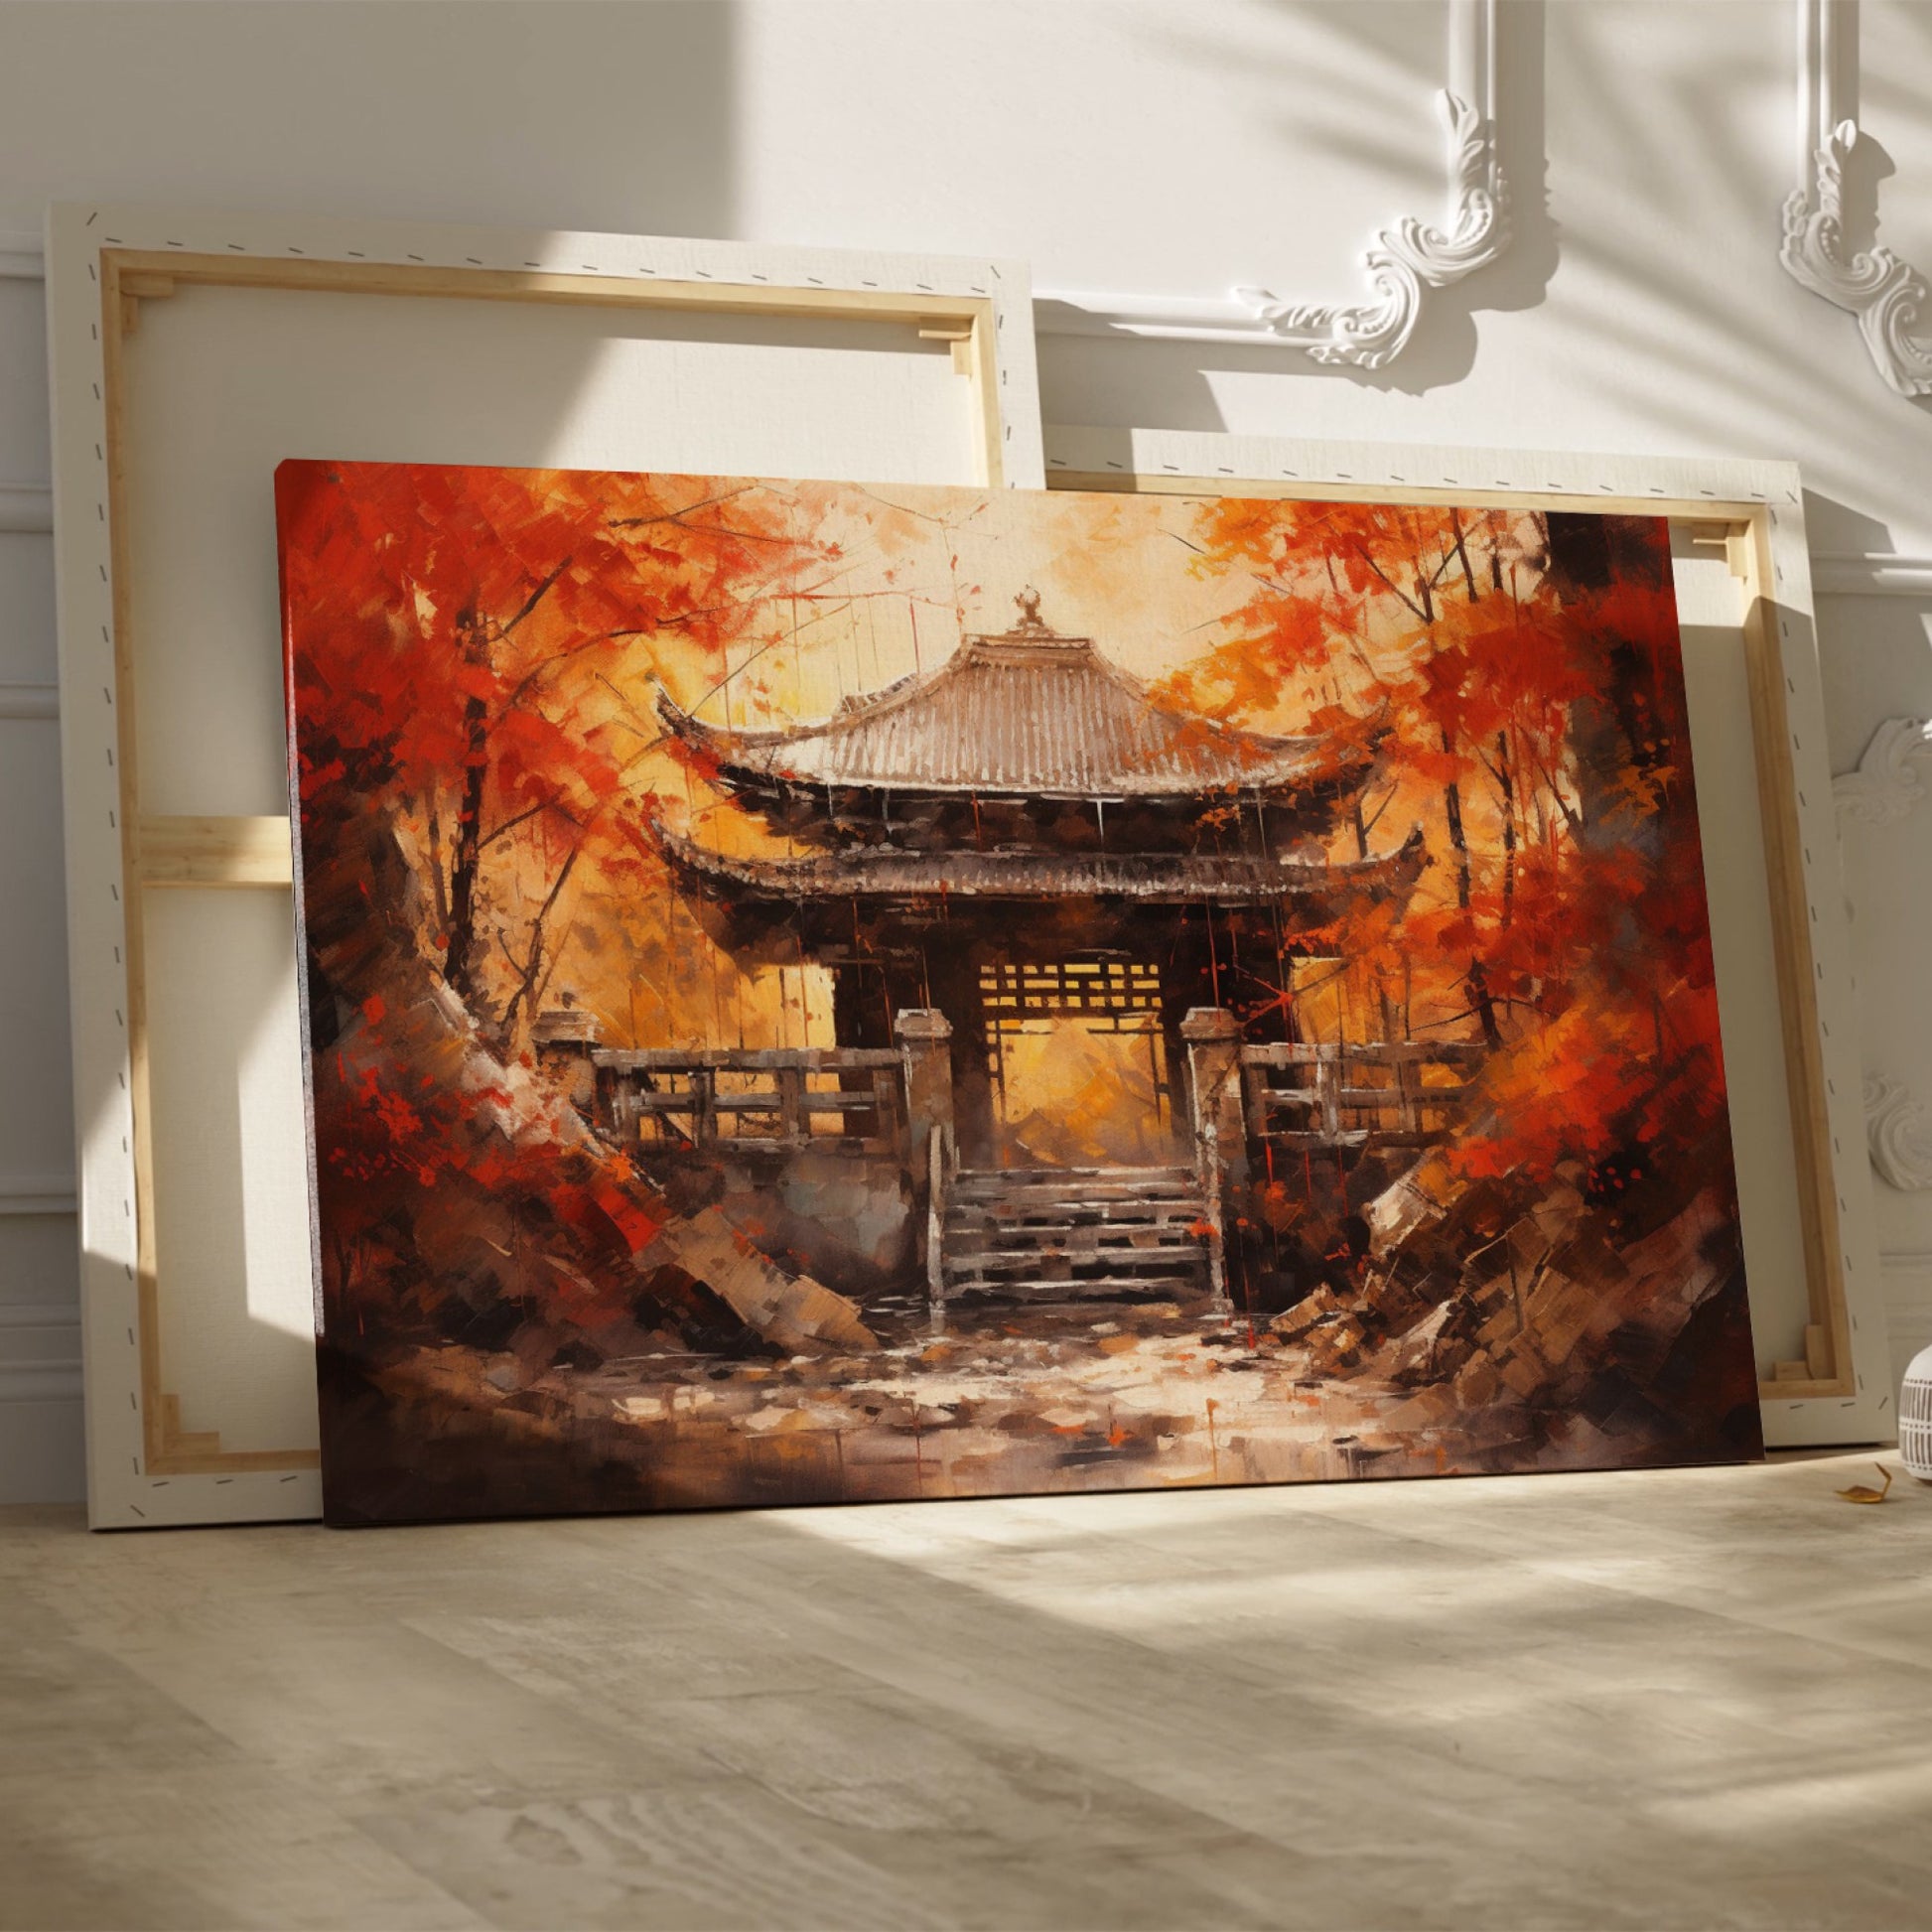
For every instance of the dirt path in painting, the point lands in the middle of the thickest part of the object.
(1069, 1401)
(1549, 1352)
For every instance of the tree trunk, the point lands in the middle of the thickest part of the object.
(1478, 979)
(520, 1015)
(438, 880)
(465, 951)
(1462, 555)
(1507, 782)
(1452, 805)
(1484, 1003)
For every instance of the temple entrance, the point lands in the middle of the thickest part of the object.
(1028, 841)
(1078, 1063)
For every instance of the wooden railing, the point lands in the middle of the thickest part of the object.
(753, 1100)
(1390, 1094)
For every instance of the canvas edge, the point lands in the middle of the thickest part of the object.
(121, 1494)
(1443, 473)
(1871, 1410)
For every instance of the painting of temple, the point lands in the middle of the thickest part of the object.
(1022, 834)
(829, 994)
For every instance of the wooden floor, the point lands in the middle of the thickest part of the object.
(1687, 1698)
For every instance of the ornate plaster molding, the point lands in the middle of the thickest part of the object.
(1887, 784)
(1888, 295)
(1882, 790)
(1898, 1130)
(1405, 262)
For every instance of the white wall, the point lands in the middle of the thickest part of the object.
(1121, 144)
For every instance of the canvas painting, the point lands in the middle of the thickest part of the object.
(824, 993)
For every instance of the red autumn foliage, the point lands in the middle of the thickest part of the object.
(458, 634)
(456, 641)
(419, 1189)
(1530, 671)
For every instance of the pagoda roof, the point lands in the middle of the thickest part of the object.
(1318, 889)
(1025, 712)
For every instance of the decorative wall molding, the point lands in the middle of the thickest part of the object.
(1888, 295)
(38, 1193)
(1884, 790)
(1899, 1131)
(25, 509)
(1871, 573)
(41, 1381)
(40, 1352)
(1887, 784)
(40, 1314)
(21, 257)
(29, 701)
(1405, 262)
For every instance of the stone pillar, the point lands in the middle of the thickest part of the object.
(1214, 1037)
(562, 1043)
(925, 1042)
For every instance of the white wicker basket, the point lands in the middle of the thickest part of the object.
(1915, 1416)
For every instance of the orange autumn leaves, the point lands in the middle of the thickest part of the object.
(477, 645)
(1529, 670)
(421, 1170)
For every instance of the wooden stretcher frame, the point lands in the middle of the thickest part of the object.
(1841, 1392)
(103, 263)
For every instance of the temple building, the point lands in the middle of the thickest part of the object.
(1027, 832)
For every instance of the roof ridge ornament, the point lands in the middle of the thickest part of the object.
(1030, 635)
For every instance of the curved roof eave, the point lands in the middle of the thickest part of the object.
(1167, 878)
(1237, 761)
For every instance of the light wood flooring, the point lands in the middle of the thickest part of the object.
(1685, 1699)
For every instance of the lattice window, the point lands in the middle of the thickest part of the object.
(1060, 987)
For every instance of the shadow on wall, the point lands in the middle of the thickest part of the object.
(572, 116)
(1882, 57)
(610, 119)
(1683, 226)
(1364, 41)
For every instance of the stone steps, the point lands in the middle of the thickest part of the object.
(1045, 1234)
(1099, 1288)
(990, 1183)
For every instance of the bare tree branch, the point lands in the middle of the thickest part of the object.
(1390, 581)
(535, 598)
